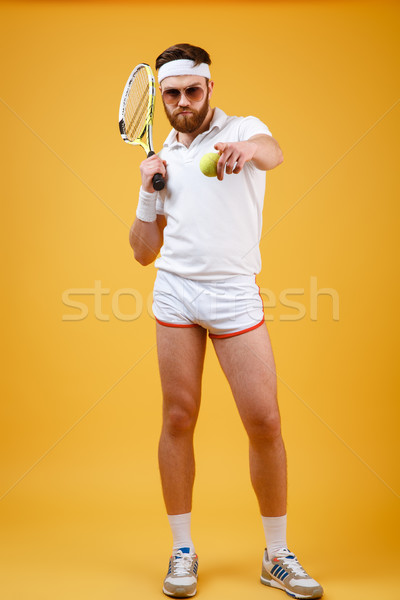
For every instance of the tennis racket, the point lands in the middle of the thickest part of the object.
(136, 113)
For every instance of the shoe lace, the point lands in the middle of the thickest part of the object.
(181, 563)
(290, 560)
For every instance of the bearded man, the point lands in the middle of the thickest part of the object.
(207, 231)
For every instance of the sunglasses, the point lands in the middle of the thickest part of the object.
(192, 93)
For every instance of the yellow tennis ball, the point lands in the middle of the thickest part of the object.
(208, 164)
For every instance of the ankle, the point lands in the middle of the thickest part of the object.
(181, 531)
(275, 534)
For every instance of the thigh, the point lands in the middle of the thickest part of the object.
(248, 363)
(181, 354)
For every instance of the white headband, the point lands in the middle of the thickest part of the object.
(183, 67)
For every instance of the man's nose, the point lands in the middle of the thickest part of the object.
(183, 101)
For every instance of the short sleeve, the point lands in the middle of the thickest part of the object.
(252, 126)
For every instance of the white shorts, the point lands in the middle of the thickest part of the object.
(225, 308)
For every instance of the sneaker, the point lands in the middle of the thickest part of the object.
(181, 579)
(286, 573)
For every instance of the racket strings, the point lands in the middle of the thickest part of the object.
(137, 106)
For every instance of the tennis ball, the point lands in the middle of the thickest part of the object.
(208, 164)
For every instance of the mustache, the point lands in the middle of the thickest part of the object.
(179, 112)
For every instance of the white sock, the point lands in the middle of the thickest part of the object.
(275, 534)
(180, 527)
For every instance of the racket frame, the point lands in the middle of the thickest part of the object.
(158, 180)
(148, 126)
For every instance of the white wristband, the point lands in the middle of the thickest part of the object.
(146, 209)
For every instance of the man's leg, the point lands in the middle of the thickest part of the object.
(248, 363)
(181, 357)
(181, 353)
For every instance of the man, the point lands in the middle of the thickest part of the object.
(208, 231)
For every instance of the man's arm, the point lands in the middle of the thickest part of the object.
(268, 154)
(263, 150)
(146, 239)
(146, 236)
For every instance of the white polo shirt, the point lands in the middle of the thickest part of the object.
(213, 227)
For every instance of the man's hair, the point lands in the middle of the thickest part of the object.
(183, 51)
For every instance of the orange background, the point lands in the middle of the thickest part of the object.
(81, 507)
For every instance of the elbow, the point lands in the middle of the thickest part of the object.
(273, 160)
(142, 259)
(144, 256)
(139, 258)
(276, 161)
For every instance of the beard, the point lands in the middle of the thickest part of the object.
(188, 123)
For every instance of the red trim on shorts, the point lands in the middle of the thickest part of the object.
(175, 324)
(227, 335)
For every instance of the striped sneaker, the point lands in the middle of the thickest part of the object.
(286, 573)
(181, 579)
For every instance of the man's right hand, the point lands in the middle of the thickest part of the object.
(148, 168)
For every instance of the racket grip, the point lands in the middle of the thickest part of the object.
(158, 179)
(158, 182)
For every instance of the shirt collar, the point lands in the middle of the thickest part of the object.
(217, 122)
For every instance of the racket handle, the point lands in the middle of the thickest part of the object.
(158, 179)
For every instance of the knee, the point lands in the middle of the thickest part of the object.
(180, 416)
(265, 428)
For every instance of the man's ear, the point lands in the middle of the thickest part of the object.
(210, 87)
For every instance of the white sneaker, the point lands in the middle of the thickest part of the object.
(181, 579)
(286, 573)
